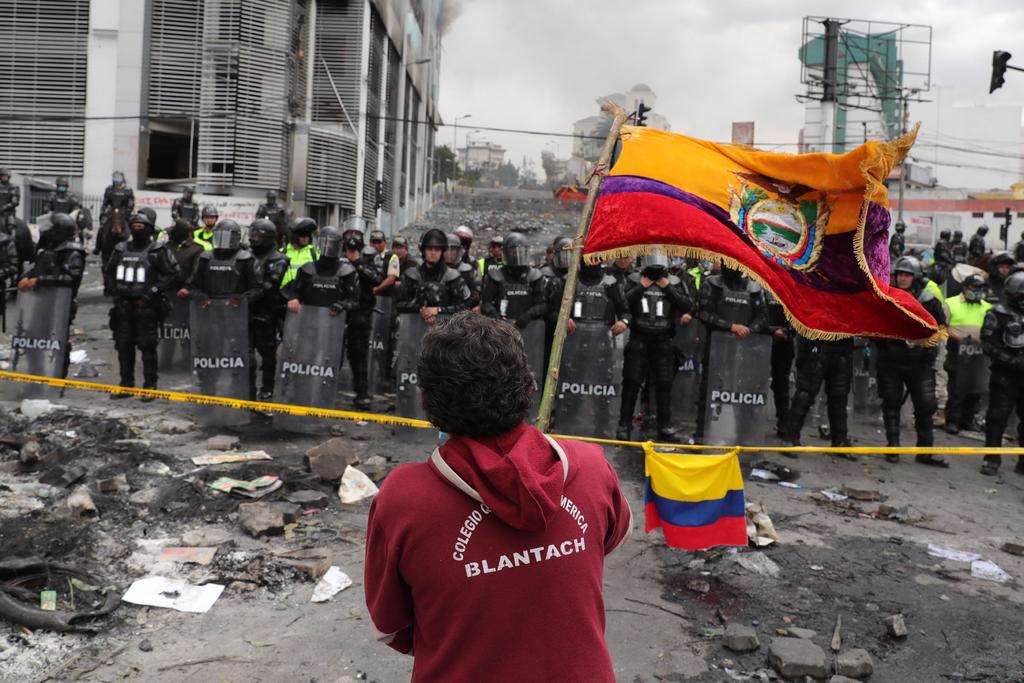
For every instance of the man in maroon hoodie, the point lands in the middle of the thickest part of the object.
(486, 561)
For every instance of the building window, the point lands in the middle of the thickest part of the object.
(978, 214)
(1020, 214)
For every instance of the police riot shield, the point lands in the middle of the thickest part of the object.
(220, 358)
(411, 329)
(380, 346)
(972, 368)
(737, 404)
(533, 342)
(308, 362)
(589, 381)
(39, 342)
(689, 347)
(865, 393)
(173, 338)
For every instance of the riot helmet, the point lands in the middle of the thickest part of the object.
(733, 277)
(563, 253)
(262, 236)
(908, 264)
(271, 197)
(983, 230)
(227, 235)
(62, 229)
(209, 215)
(62, 185)
(465, 235)
(996, 263)
(302, 226)
(150, 213)
(141, 226)
(117, 179)
(900, 227)
(329, 242)
(974, 288)
(1013, 292)
(5, 175)
(944, 235)
(958, 235)
(188, 193)
(433, 239)
(453, 253)
(179, 232)
(515, 251)
(654, 265)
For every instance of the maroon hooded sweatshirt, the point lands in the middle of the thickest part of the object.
(486, 561)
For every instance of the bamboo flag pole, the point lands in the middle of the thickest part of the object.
(569, 292)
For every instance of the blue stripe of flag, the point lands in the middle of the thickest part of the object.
(702, 513)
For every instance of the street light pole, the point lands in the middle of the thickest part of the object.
(455, 146)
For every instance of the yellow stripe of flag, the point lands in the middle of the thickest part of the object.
(692, 478)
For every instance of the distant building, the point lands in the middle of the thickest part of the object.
(589, 133)
(481, 155)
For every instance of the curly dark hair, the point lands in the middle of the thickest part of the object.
(474, 376)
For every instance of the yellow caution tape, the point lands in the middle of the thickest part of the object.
(394, 420)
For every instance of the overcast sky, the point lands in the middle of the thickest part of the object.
(540, 64)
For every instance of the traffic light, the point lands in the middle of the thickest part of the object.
(641, 114)
(379, 196)
(1004, 230)
(999, 62)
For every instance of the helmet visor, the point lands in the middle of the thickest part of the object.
(226, 239)
(516, 255)
(330, 246)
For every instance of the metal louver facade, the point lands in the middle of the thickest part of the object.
(175, 58)
(390, 122)
(374, 110)
(243, 131)
(43, 85)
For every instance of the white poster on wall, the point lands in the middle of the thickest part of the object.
(241, 209)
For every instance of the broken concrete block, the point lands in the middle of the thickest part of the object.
(329, 460)
(58, 476)
(757, 563)
(796, 658)
(375, 467)
(29, 454)
(112, 485)
(308, 498)
(145, 496)
(33, 408)
(154, 467)
(222, 442)
(172, 426)
(896, 626)
(803, 633)
(854, 663)
(1011, 547)
(207, 538)
(266, 519)
(80, 503)
(313, 562)
(861, 490)
(740, 638)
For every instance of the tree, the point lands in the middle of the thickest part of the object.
(507, 175)
(551, 171)
(444, 163)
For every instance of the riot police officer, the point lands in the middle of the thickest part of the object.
(61, 200)
(943, 256)
(203, 235)
(465, 235)
(620, 269)
(59, 262)
(359, 322)
(185, 208)
(727, 302)
(433, 288)
(783, 353)
(118, 205)
(977, 247)
(958, 248)
(328, 282)
(1018, 251)
(512, 289)
(897, 243)
(137, 276)
(1002, 338)
(300, 250)
(494, 258)
(183, 247)
(227, 271)
(966, 315)
(276, 214)
(554, 273)
(268, 313)
(453, 259)
(10, 197)
(998, 267)
(902, 365)
(656, 301)
(819, 361)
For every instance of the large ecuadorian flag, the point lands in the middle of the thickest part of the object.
(812, 228)
(697, 500)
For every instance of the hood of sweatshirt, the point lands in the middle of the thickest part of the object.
(520, 474)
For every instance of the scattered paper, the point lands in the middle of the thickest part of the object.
(185, 554)
(355, 486)
(222, 458)
(257, 488)
(989, 571)
(332, 583)
(834, 496)
(951, 553)
(79, 356)
(789, 485)
(176, 594)
(763, 475)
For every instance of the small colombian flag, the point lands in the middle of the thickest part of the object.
(697, 500)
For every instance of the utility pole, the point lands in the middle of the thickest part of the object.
(455, 147)
(903, 163)
(830, 82)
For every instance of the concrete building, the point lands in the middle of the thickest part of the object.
(481, 155)
(330, 102)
